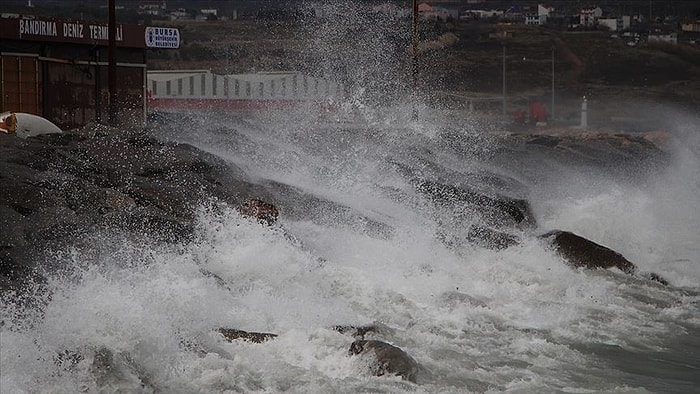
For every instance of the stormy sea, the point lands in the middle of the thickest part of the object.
(401, 225)
(386, 254)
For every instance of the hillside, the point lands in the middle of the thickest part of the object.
(460, 59)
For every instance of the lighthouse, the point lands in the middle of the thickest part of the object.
(584, 113)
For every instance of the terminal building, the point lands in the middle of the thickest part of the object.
(58, 69)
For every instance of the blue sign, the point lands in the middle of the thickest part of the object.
(162, 37)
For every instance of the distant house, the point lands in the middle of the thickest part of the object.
(534, 20)
(671, 38)
(483, 14)
(152, 7)
(209, 11)
(515, 14)
(541, 17)
(613, 24)
(690, 26)
(544, 10)
(425, 7)
(180, 13)
(626, 22)
(588, 16)
(429, 12)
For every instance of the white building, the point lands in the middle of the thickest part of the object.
(543, 10)
(202, 86)
(152, 7)
(626, 22)
(613, 24)
(535, 20)
(543, 13)
(671, 38)
(589, 16)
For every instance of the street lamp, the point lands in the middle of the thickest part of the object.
(552, 109)
(112, 64)
(414, 61)
(504, 81)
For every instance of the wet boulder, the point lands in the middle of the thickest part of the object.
(231, 334)
(358, 332)
(118, 372)
(580, 252)
(59, 189)
(361, 331)
(491, 239)
(385, 359)
(495, 209)
(262, 211)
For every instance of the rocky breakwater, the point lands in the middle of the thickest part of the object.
(495, 220)
(56, 188)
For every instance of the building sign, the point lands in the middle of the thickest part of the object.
(90, 33)
(162, 37)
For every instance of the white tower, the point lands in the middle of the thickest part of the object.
(584, 113)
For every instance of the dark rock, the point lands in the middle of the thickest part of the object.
(545, 140)
(58, 188)
(298, 204)
(386, 359)
(358, 332)
(260, 210)
(257, 337)
(580, 252)
(67, 359)
(117, 372)
(491, 239)
(499, 210)
(654, 277)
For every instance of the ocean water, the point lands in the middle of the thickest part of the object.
(476, 320)
(136, 316)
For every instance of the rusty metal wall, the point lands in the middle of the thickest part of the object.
(67, 84)
(76, 94)
(20, 80)
(69, 94)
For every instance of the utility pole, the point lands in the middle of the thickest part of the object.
(414, 60)
(552, 109)
(112, 64)
(414, 46)
(504, 81)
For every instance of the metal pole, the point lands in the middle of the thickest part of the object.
(112, 64)
(98, 88)
(414, 46)
(504, 81)
(552, 109)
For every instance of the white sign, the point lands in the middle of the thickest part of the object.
(162, 37)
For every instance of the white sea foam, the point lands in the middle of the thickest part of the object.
(477, 320)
